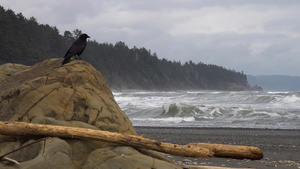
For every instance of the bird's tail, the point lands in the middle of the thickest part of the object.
(66, 60)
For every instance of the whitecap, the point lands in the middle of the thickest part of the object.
(291, 99)
(168, 119)
(272, 92)
(216, 108)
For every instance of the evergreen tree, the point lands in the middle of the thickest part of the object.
(25, 41)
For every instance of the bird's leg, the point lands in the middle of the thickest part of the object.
(75, 56)
(79, 57)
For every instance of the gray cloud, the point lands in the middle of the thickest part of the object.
(254, 36)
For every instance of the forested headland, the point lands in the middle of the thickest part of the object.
(27, 42)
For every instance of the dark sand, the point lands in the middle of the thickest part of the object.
(281, 147)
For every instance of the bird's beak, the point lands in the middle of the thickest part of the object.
(88, 36)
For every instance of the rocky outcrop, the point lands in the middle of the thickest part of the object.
(9, 69)
(74, 94)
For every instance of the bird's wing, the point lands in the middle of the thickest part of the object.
(76, 49)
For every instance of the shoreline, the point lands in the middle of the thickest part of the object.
(207, 127)
(281, 147)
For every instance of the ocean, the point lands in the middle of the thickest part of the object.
(220, 109)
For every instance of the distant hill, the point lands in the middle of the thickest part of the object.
(276, 82)
(25, 41)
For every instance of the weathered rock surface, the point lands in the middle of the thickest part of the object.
(9, 69)
(75, 95)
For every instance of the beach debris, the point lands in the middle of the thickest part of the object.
(189, 150)
(3, 158)
(232, 151)
(23, 128)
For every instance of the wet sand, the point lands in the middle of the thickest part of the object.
(281, 147)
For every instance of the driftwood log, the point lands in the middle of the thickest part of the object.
(22, 128)
(189, 150)
(232, 151)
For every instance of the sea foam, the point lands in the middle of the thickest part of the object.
(212, 108)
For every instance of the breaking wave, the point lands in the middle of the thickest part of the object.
(212, 109)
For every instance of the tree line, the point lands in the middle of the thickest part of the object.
(25, 41)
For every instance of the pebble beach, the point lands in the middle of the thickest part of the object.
(281, 147)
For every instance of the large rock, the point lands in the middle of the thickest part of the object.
(75, 95)
(9, 69)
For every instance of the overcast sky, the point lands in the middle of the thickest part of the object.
(259, 37)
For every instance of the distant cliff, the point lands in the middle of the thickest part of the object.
(27, 42)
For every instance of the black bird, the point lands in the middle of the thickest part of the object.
(76, 49)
